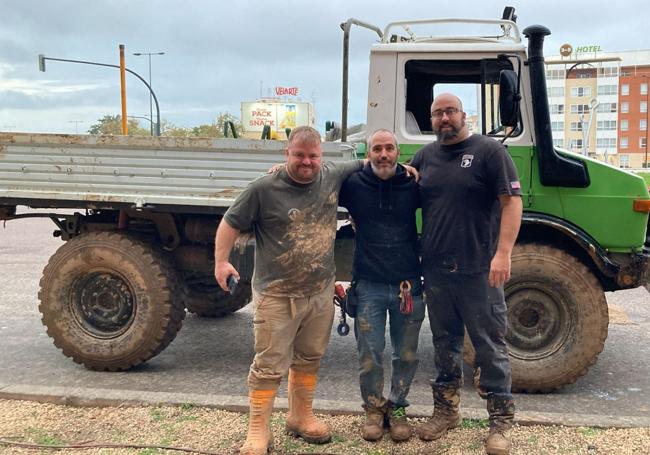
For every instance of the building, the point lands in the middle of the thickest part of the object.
(598, 103)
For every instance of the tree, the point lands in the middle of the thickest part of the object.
(112, 124)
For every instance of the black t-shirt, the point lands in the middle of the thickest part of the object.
(459, 186)
(386, 241)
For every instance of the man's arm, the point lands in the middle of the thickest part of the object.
(224, 241)
(511, 209)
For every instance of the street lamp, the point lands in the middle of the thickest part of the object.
(149, 54)
(647, 117)
(76, 125)
(41, 67)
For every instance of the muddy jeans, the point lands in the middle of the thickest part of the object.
(375, 301)
(455, 301)
(289, 332)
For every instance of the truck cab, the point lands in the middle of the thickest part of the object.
(585, 223)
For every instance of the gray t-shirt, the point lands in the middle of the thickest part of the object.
(294, 226)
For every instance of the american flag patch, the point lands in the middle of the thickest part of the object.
(515, 185)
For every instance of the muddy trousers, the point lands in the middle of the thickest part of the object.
(289, 332)
(455, 301)
(376, 300)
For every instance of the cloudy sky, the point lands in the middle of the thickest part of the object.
(219, 53)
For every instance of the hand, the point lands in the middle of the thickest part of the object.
(222, 270)
(412, 172)
(499, 270)
(275, 168)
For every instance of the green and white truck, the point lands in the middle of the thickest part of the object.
(142, 211)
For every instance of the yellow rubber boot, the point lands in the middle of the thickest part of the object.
(259, 440)
(301, 420)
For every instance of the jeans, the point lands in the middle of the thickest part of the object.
(458, 301)
(376, 300)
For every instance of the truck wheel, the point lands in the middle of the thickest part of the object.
(213, 302)
(557, 319)
(110, 302)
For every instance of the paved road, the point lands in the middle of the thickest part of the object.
(212, 356)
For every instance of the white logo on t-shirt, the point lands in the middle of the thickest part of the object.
(466, 161)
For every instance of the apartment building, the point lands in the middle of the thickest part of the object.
(599, 103)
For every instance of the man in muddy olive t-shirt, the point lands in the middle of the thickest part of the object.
(293, 216)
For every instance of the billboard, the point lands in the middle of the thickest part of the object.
(278, 115)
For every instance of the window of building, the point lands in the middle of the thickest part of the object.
(575, 144)
(624, 125)
(643, 124)
(556, 91)
(625, 107)
(607, 90)
(557, 126)
(576, 126)
(557, 108)
(580, 91)
(624, 161)
(644, 88)
(607, 107)
(608, 71)
(579, 108)
(606, 143)
(625, 89)
(624, 143)
(642, 142)
(558, 143)
(643, 106)
(606, 125)
(554, 74)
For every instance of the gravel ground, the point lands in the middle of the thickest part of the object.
(214, 431)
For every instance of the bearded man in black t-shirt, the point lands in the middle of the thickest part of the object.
(471, 212)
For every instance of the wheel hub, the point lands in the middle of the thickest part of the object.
(538, 321)
(103, 304)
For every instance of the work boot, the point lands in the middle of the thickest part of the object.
(259, 440)
(301, 420)
(399, 428)
(373, 427)
(446, 412)
(501, 409)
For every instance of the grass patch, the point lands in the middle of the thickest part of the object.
(157, 414)
(472, 423)
(475, 445)
(589, 431)
(148, 452)
(186, 407)
(40, 436)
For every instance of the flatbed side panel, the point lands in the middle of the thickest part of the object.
(137, 170)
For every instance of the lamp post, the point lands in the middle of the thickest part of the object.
(647, 117)
(149, 54)
(76, 125)
(41, 67)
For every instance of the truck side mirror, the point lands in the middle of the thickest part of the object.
(509, 98)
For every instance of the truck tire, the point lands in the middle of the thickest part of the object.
(214, 302)
(557, 319)
(109, 301)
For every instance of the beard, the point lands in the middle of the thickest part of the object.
(384, 172)
(448, 134)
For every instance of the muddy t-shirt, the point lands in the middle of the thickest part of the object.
(294, 226)
(459, 189)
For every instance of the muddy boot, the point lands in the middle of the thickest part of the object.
(400, 430)
(446, 413)
(501, 408)
(373, 427)
(301, 420)
(260, 439)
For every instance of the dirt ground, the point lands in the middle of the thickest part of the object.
(212, 431)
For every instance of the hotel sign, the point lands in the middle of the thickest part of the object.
(566, 49)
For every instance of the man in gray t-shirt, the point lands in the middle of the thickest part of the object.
(293, 216)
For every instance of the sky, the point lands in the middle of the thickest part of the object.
(218, 54)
